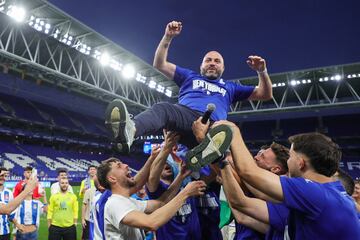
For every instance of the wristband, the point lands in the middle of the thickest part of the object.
(223, 163)
(260, 72)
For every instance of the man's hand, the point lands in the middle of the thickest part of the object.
(20, 227)
(171, 139)
(195, 188)
(199, 129)
(155, 152)
(83, 223)
(31, 184)
(173, 29)
(256, 63)
(184, 172)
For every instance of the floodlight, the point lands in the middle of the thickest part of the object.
(160, 88)
(326, 79)
(42, 23)
(152, 84)
(293, 82)
(128, 71)
(168, 92)
(337, 77)
(104, 59)
(308, 81)
(47, 26)
(303, 81)
(17, 13)
(274, 85)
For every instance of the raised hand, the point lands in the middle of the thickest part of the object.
(155, 150)
(195, 188)
(171, 139)
(256, 63)
(173, 29)
(184, 171)
(31, 184)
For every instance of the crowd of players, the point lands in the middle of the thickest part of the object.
(281, 193)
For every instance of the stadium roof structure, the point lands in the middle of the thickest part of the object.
(46, 43)
(329, 90)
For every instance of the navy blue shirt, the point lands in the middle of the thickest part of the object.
(184, 225)
(278, 215)
(197, 91)
(319, 211)
(208, 207)
(246, 233)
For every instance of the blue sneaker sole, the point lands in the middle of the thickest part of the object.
(194, 158)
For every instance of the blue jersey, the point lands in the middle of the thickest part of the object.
(246, 233)
(278, 215)
(243, 232)
(197, 91)
(184, 225)
(99, 211)
(319, 211)
(208, 207)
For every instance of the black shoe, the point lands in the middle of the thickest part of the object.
(214, 146)
(118, 122)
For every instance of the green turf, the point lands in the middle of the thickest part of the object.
(43, 229)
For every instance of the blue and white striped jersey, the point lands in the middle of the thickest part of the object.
(28, 212)
(6, 196)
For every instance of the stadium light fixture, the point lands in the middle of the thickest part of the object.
(168, 92)
(293, 83)
(17, 13)
(337, 77)
(128, 71)
(160, 88)
(104, 59)
(326, 79)
(140, 78)
(152, 84)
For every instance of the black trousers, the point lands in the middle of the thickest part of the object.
(85, 232)
(174, 117)
(5, 237)
(62, 233)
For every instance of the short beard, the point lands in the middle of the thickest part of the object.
(212, 77)
(131, 184)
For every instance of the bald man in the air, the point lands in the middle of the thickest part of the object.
(196, 91)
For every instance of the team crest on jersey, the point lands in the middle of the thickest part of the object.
(208, 87)
(6, 196)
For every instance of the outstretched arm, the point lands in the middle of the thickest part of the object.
(157, 167)
(160, 60)
(264, 89)
(162, 215)
(143, 175)
(261, 179)
(252, 207)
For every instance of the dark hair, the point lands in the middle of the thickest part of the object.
(28, 168)
(346, 180)
(62, 171)
(103, 170)
(282, 155)
(91, 166)
(324, 155)
(3, 169)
